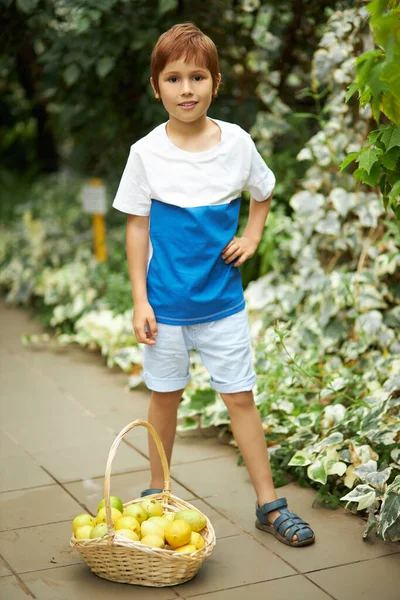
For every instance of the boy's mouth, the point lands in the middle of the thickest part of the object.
(187, 104)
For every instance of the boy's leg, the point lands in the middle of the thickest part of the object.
(249, 435)
(162, 415)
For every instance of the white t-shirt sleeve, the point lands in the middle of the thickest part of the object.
(133, 195)
(261, 180)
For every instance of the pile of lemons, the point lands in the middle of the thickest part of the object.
(145, 522)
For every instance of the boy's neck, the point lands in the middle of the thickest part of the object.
(202, 132)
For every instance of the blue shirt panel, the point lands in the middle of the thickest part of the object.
(188, 281)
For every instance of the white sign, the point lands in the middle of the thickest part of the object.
(94, 199)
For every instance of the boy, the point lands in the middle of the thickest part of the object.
(181, 189)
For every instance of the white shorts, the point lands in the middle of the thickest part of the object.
(224, 347)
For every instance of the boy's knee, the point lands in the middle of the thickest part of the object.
(167, 397)
(238, 400)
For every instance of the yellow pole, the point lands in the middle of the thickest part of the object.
(99, 237)
(99, 230)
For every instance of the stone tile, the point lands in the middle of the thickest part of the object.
(4, 570)
(116, 420)
(189, 449)
(53, 432)
(37, 548)
(127, 486)
(33, 395)
(9, 363)
(296, 587)
(222, 526)
(376, 578)
(8, 447)
(36, 506)
(12, 589)
(79, 583)
(21, 472)
(89, 460)
(235, 561)
(338, 533)
(14, 322)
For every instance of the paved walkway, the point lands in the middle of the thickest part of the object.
(61, 410)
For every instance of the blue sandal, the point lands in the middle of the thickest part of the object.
(286, 526)
(150, 491)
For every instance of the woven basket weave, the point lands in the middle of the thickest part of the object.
(118, 559)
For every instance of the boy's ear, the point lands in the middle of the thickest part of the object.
(156, 94)
(215, 92)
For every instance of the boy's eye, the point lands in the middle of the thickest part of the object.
(174, 79)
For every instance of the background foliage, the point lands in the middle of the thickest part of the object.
(317, 85)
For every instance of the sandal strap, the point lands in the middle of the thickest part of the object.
(150, 491)
(270, 506)
(289, 524)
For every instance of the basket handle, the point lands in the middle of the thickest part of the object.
(111, 456)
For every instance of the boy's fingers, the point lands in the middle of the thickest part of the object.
(227, 246)
(234, 255)
(152, 326)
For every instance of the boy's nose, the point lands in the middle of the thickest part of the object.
(186, 88)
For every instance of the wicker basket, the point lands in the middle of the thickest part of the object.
(118, 559)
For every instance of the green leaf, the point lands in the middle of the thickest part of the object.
(104, 66)
(391, 137)
(371, 524)
(370, 179)
(390, 106)
(349, 159)
(26, 5)
(71, 74)
(368, 158)
(364, 495)
(202, 398)
(300, 459)
(317, 471)
(351, 90)
(373, 136)
(165, 6)
(389, 159)
(395, 193)
(390, 511)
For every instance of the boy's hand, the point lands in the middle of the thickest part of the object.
(239, 249)
(144, 324)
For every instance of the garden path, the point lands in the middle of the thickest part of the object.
(61, 410)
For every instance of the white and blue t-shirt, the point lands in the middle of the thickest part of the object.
(193, 199)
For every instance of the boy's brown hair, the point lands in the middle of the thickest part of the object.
(186, 41)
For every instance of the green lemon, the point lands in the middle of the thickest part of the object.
(114, 501)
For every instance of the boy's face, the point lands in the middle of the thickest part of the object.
(186, 90)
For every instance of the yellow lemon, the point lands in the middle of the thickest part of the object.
(177, 533)
(101, 515)
(114, 501)
(137, 511)
(168, 516)
(161, 522)
(83, 533)
(128, 533)
(197, 540)
(196, 520)
(152, 507)
(186, 549)
(151, 528)
(128, 523)
(81, 520)
(99, 531)
(153, 540)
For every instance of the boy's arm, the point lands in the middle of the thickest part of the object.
(137, 249)
(240, 249)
